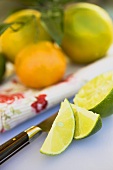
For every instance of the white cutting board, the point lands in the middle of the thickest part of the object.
(92, 153)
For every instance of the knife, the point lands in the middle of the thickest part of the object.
(24, 138)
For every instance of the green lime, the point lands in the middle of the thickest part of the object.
(87, 122)
(88, 32)
(2, 65)
(62, 131)
(97, 95)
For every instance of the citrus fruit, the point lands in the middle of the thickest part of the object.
(61, 132)
(88, 32)
(87, 122)
(26, 29)
(2, 66)
(40, 65)
(97, 95)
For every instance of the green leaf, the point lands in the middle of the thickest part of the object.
(19, 24)
(4, 26)
(7, 116)
(6, 126)
(17, 111)
(52, 21)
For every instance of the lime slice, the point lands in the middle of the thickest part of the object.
(2, 65)
(61, 132)
(97, 95)
(87, 122)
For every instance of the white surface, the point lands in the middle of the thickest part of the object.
(92, 153)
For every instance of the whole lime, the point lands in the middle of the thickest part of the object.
(26, 29)
(2, 66)
(88, 32)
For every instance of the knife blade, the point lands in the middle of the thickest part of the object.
(24, 138)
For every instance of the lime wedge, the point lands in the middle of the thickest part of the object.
(97, 95)
(61, 132)
(87, 122)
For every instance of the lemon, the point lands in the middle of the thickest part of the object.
(26, 30)
(88, 32)
(2, 66)
(87, 122)
(97, 95)
(62, 131)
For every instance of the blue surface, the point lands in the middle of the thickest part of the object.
(92, 153)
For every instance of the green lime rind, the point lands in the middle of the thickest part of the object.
(105, 107)
(2, 66)
(97, 127)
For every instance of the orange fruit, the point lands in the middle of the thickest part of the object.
(88, 32)
(16, 37)
(40, 65)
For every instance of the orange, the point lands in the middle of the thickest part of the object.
(15, 38)
(88, 32)
(40, 65)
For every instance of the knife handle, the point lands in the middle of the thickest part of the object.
(18, 142)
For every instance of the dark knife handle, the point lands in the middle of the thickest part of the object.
(13, 145)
